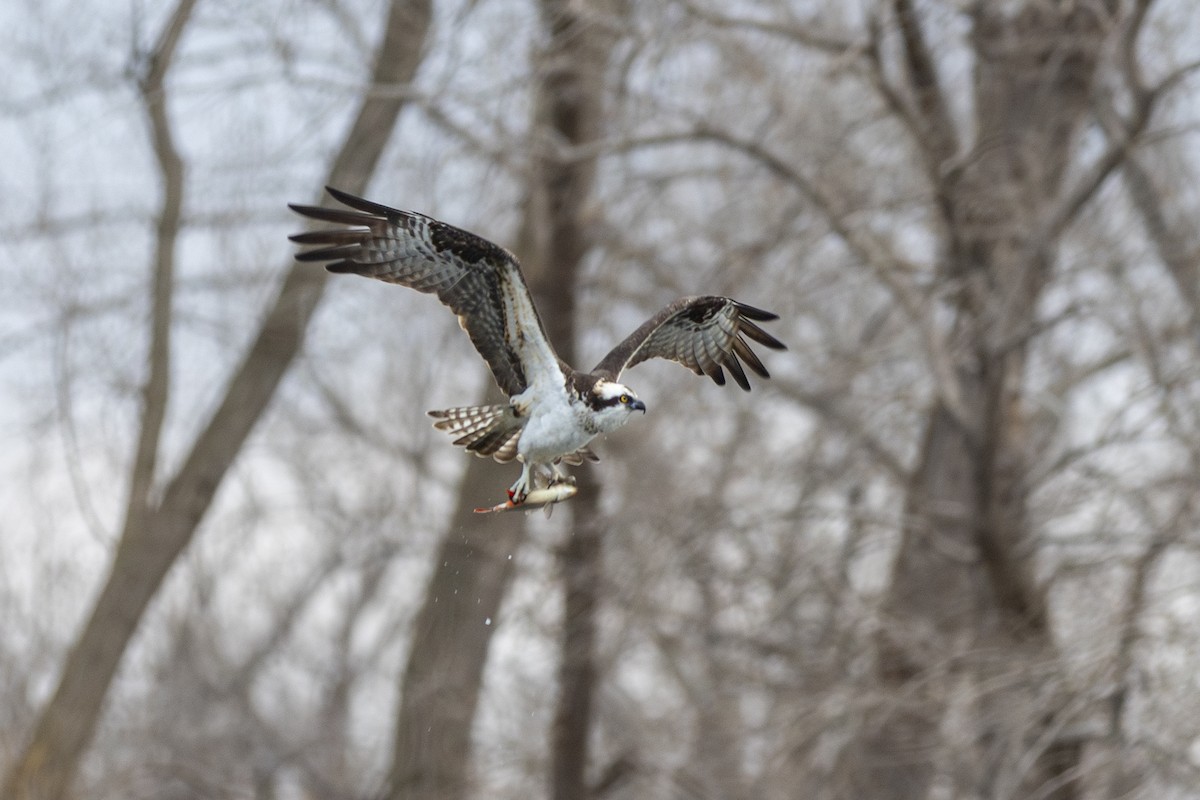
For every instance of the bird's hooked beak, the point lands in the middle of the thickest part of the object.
(637, 405)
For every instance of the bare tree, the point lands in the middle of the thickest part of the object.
(156, 531)
(440, 686)
(963, 574)
(569, 109)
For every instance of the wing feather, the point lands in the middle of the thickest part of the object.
(708, 359)
(759, 335)
(735, 367)
(710, 349)
(714, 371)
(746, 354)
(481, 282)
(326, 237)
(705, 334)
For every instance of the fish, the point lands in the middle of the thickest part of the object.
(538, 498)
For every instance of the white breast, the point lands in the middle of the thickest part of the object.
(554, 428)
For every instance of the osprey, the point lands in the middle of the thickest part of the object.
(553, 411)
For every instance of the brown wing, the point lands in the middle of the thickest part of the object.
(481, 282)
(702, 333)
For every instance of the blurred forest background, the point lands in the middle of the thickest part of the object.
(951, 550)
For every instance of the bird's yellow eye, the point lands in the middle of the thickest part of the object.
(625, 399)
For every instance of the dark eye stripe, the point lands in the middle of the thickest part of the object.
(605, 402)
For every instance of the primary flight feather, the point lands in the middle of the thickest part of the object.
(553, 410)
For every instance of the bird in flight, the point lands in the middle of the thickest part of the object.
(553, 410)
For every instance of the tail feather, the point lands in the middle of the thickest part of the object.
(484, 430)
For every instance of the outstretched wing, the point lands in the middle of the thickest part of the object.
(702, 333)
(481, 282)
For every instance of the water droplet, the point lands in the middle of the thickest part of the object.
(487, 621)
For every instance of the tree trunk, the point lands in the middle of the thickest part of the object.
(963, 604)
(581, 564)
(440, 685)
(439, 690)
(155, 534)
(570, 109)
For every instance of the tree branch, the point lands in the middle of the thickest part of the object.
(940, 140)
(800, 34)
(885, 265)
(156, 391)
(151, 545)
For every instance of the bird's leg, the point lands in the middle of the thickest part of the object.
(559, 475)
(520, 490)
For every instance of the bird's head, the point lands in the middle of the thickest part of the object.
(613, 403)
